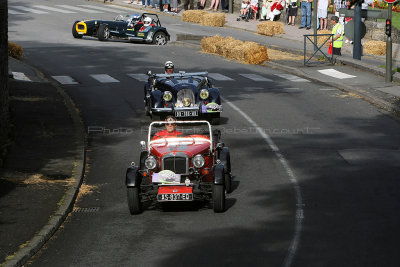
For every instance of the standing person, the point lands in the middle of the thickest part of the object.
(144, 3)
(323, 14)
(165, 5)
(306, 14)
(174, 6)
(214, 4)
(338, 4)
(337, 32)
(292, 12)
(188, 4)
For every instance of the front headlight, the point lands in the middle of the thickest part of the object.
(198, 161)
(150, 163)
(167, 96)
(204, 94)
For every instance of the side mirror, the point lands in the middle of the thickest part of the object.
(220, 145)
(143, 145)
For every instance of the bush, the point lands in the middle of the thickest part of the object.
(15, 50)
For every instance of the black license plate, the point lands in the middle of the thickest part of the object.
(186, 113)
(175, 197)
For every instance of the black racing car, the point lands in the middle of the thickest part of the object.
(145, 28)
(184, 95)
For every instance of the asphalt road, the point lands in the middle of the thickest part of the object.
(316, 170)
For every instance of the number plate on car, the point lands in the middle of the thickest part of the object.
(186, 113)
(175, 197)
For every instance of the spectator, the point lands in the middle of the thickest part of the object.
(254, 8)
(337, 38)
(338, 4)
(292, 12)
(144, 3)
(276, 9)
(188, 4)
(214, 4)
(323, 14)
(244, 8)
(165, 5)
(174, 6)
(306, 14)
(264, 10)
(202, 4)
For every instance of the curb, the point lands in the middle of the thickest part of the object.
(68, 200)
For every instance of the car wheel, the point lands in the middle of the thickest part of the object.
(228, 183)
(135, 207)
(103, 33)
(215, 119)
(160, 38)
(74, 32)
(219, 198)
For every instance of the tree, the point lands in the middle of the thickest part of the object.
(3, 70)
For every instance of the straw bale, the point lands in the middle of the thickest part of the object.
(375, 48)
(212, 44)
(274, 54)
(270, 28)
(193, 16)
(321, 39)
(228, 46)
(15, 50)
(213, 19)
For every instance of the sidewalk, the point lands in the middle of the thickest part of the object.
(43, 168)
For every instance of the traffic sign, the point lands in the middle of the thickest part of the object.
(390, 1)
(349, 30)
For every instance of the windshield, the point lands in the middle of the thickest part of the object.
(126, 18)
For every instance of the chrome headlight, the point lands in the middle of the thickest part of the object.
(167, 96)
(150, 163)
(204, 94)
(198, 161)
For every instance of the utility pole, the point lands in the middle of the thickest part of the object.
(315, 22)
(388, 31)
(3, 69)
(357, 31)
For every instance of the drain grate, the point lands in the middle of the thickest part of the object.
(86, 210)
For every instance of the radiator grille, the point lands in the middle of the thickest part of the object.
(175, 164)
(185, 93)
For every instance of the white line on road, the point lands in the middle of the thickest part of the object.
(55, 9)
(255, 77)
(141, 77)
(64, 79)
(14, 12)
(104, 78)
(336, 74)
(20, 76)
(328, 89)
(30, 10)
(79, 9)
(293, 179)
(291, 77)
(219, 77)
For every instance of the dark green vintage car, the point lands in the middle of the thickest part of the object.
(145, 28)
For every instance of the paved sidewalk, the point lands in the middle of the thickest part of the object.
(43, 167)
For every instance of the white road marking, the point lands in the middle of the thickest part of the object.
(328, 89)
(336, 74)
(14, 12)
(291, 77)
(30, 10)
(65, 79)
(141, 77)
(79, 9)
(293, 179)
(219, 77)
(104, 78)
(55, 9)
(20, 76)
(255, 77)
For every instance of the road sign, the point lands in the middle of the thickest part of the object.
(349, 30)
(390, 1)
(373, 14)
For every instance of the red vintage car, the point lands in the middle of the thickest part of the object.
(188, 164)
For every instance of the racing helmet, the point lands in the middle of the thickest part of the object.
(147, 21)
(169, 66)
(135, 17)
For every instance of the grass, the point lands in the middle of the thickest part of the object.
(395, 69)
(395, 19)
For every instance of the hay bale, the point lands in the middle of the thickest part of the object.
(15, 50)
(247, 52)
(321, 39)
(193, 16)
(274, 55)
(375, 48)
(213, 19)
(270, 28)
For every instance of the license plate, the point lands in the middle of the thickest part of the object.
(186, 113)
(175, 197)
(80, 32)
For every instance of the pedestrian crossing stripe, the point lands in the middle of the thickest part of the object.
(141, 77)
(54, 9)
(336, 74)
(291, 77)
(13, 12)
(255, 77)
(64, 80)
(79, 9)
(104, 78)
(20, 76)
(219, 77)
(27, 9)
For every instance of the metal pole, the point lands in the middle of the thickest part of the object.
(357, 31)
(315, 18)
(388, 74)
(230, 8)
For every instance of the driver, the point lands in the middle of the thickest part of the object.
(169, 67)
(147, 24)
(170, 128)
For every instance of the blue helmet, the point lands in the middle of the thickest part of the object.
(136, 17)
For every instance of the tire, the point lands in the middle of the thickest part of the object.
(160, 38)
(75, 33)
(103, 33)
(228, 183)
(135, 207)
(219, 198)
(225, 158)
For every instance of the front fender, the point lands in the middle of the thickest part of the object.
(214, 95)
(225, 158)
(219, 177)
(156, 99)
(133, 177)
